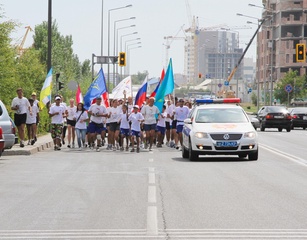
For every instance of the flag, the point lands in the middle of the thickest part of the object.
(79, 97)
(167, 86)
(45, 95)
(153, 94)
(124, 85)
(141, 95)
(97, 88)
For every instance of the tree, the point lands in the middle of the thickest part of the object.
(297, 83)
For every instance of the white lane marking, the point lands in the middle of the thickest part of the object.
(152, 196)
(152, 220)
(151, 178)
(292, 158)
(151, 169)
(150, 160)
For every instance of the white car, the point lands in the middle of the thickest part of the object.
(219, 129)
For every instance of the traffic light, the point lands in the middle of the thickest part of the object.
(61, 85)
(122, 59)
(300, 52)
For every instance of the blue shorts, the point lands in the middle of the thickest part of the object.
(179, 128)
(135, 133)
(161, 129)
(125, 132)
(96, 128)
(148, 127)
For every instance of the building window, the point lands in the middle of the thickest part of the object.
(287, 58)
(287, 45)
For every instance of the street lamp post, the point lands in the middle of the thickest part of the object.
(127, 70)
(128, 49)
(121, 48)
(110, 10)
(135, 39)
(114, 40)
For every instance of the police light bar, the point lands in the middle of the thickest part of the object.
(218, 100)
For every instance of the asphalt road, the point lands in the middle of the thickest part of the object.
(74, 194)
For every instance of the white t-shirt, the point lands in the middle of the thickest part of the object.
(181, 113)
(149, 113)
(115, 114)
(71, 112)
(97, 109)
(162, 118)
(22, 103)
(31, 119)
(57, 119)
(124, 123)
(135, 119)
(81, 124)
(170, 110)
(108, 111)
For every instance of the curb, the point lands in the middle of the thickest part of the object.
(34, 149)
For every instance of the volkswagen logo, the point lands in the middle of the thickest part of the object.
(226, 136)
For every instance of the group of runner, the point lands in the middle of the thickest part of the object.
(127, 126)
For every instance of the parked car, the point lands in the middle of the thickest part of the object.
(8, 127)
(2, 142)
(299, 117)
(274, 117)
(298, 102)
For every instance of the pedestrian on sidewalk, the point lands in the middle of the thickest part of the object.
(31, 122)
(20, 104)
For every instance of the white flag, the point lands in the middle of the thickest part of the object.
(124, 85)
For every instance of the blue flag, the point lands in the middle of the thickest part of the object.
(166, 86)
(97, 89)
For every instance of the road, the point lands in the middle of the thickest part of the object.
(157, 195)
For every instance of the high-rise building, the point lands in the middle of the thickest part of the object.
(283, 28)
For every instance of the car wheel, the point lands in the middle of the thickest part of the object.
(303, 128)
(253, 156)
(279, 129)
(242, 155)
(185, 152)
(193, 156)
(262, 128)
(288, 129)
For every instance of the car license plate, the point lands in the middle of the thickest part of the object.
(278, 117)
(304, 117)
(226, 144)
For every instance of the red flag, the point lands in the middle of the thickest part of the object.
(79, 97)
(153, 94)
(141, 94)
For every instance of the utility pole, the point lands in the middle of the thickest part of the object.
(49, 34)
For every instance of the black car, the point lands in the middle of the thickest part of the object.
(299, 117)
(274, 117)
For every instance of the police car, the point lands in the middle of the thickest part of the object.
(219, 129)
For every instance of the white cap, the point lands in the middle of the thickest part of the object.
(136, 106)
(57, 98)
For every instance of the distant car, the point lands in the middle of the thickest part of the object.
(274, 117)
(2, 142)
(298, 102)
(8, 127)
(219, 129)
(299, 117)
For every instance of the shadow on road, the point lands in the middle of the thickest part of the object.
(213, 159)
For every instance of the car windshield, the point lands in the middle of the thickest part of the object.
(299, 110)
(220, 115)
(277, 109)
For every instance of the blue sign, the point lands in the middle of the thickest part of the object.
(226, 83)
(249, 90)
(288, 88)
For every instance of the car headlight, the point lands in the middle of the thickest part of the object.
(250, 135)
(201, 135)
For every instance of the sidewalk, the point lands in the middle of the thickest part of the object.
(43, 142)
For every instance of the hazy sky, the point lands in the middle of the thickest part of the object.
(155, 19)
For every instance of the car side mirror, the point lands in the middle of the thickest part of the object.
(188, 121)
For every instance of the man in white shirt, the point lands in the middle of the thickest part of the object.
(21, 104)
(96, 127)
(56, 113)
(181, 113)
(150, 113)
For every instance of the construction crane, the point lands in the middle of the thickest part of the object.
(192, 42)
(20, 48)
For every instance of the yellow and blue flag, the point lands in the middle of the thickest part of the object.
(45, 95)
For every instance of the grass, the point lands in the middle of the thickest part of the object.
(249, 107)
